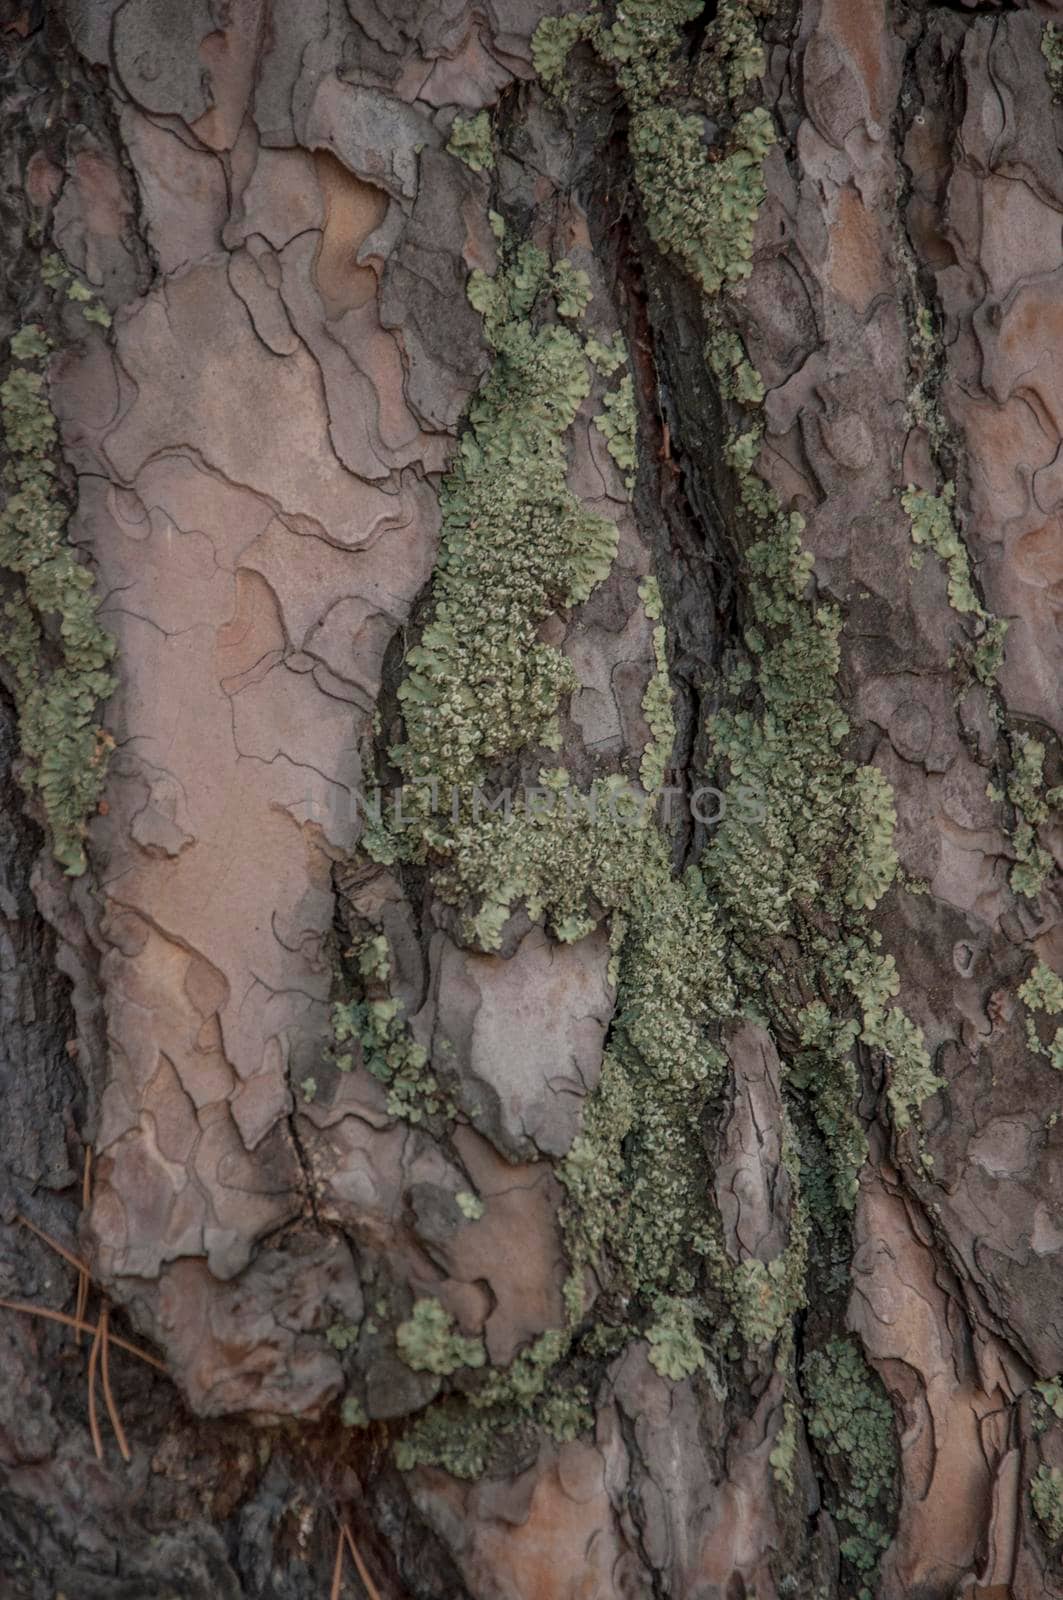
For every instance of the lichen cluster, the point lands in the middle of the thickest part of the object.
(851, 1421)
(700, 203)
(1042, 993)
(934, 527)
(616, 424)
(1033, 806)
(1052, 50)
(428, 1341)
(374, 1019)
(657, 701)
(464, 1434)
(1046, 1495)
(55, 648)
(820, 849)
(772, 922)
(470, 141)
(516, 544)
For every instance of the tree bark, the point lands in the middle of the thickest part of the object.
(529, 756)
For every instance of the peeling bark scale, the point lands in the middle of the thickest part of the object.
(530, 919)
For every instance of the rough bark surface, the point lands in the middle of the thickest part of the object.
(280, 204)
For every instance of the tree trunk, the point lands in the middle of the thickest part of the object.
(529, 744)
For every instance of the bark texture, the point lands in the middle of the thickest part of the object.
(446, 392)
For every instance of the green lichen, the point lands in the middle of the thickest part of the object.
(54, 271)
(57, 275)
(461, 1434)
(873, 819)
(618, 424)
(1025, 790)
(1052, 50)
(1046, 1495)
(768, 1293)
(470, 141)
(470, 1205)
(700, 209)
(676, 1352)
(572, 289)
(1042, 993)
(447, 1435)
(798, 871)
(552, 41)
(657, 701)
(1051, 1392)
(738, 379)
(428, 1341)
(608, 356)
(934, 526)
(785, 1448)
(823, 837)
(342, 1336)
(736, 58)
(56, 650)
(851, 1420)
(353, 1412)
(516, 544)
(376, 1021)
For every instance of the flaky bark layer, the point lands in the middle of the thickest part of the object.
(596, 1214)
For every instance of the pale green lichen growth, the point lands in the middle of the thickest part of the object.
(873, 980)
(824, 1068)
(785, 1448)
(638, 1208)
(353, 1412)
(934, 526)
(342, 1336)
(736, 59)
(701, 210)
(572, 290)
(738, 378)
(1042, 993)
(91, 309)
(851, 1420)
(552, 41)
(375, 1020)
(657, 701)
(1052, 50)
(823, 836)
(617, 425)
(470, 1205)
(429, 1342)
(57, 275)
(63, 748)
(470, 141)
(1026, 792)
(1046, 1495)
(676, 1352)
(767, 1293)
(874, 819)
(460, 1433)
(516, 544)
(1051, 1392)
(608, 356)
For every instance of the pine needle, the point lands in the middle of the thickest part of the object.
(105, 1375)
(363, 1572)
(82, 1327)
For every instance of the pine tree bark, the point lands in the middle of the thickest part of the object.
(654, 1207)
